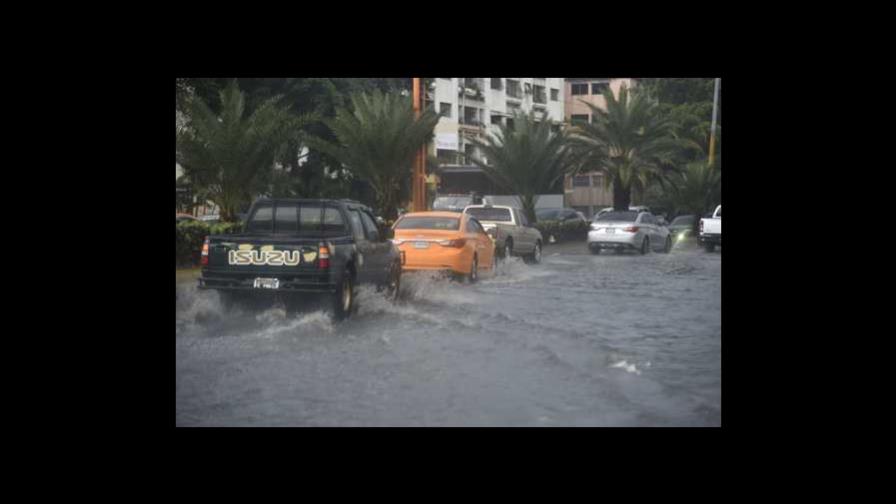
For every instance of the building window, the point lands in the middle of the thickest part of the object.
(513, 88)
(579, 118)
(496, 119)
(599, 87)
(446, 156)
(581, 181)
(579, 89)
(471, 115)
(555, 95)
(539, 96)
(445, 109)
(496, 84)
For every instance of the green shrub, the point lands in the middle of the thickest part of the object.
(190, 235)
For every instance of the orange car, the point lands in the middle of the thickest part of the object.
(444, 241)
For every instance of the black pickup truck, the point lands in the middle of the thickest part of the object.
(301, 246)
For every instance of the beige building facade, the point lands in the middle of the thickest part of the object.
(586, 192)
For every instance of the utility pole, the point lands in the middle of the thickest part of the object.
(712, 129)
(418, 186)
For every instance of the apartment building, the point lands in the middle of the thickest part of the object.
(586, 192)
(474, 107)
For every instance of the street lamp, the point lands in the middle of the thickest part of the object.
(712, 129)
(418, 185)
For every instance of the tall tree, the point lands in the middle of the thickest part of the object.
(527, 159)
(696, 189)
(377, 140)
(629, 142)
(228, 156)
(687, 102)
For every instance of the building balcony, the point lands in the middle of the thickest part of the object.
(475, 126)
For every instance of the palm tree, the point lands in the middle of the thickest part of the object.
(696, 189)
(228, 158)
(628, 142)
(377, 141)
(528, 159)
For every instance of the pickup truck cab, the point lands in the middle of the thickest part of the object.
(711, 230)
(511, 231)
(292, 246)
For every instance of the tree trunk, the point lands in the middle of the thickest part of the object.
(529, 207)
(622, 197)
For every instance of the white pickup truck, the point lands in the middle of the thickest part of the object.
(711, 230)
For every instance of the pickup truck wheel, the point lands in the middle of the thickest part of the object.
(668, 246)
(344, 299)
(709, 246)
(508, 249)
(645, 245)
(394, 282)
(535, 257)
(595, 250)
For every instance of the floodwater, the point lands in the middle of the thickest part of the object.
(579, 340)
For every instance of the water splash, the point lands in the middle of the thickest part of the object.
(626, 366)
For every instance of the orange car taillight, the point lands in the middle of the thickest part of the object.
(323, 255)
(458, 243)
(203, 260)
(631, 229)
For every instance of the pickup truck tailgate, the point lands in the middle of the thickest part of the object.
(712, 226)
(236, 261)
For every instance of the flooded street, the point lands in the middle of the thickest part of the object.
(579, 340)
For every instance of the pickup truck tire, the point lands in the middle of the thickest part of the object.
(508, 249)
(535, 256)
(394, 285)
(594, 250)
(344, 298)
(668, 246)
(645, 246)
(709, 246)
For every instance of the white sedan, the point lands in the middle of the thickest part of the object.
(621, 230)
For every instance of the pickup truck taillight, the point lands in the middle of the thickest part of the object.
(631, 229)
(323, 255)
(203, 260)
(701, 225)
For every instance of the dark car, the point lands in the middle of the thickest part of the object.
(559, 214)
(682, 227)
(293, 246)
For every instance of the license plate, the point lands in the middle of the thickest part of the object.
(421, 244)
(267, 283)
(611, 230)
